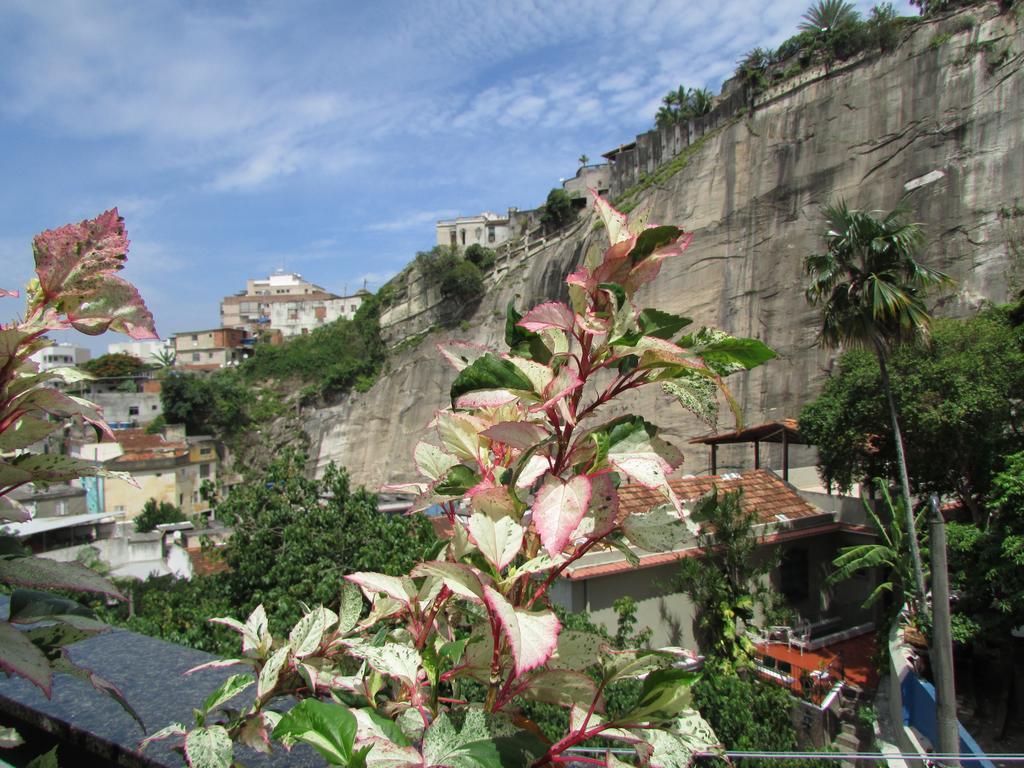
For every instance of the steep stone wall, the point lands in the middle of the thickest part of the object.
(945, 123)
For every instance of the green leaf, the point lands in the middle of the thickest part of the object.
(19, 656)
(562, 687)
(31, 605)
(651, 240)
(483, 742)
(659, 530)
(522, 342)
(615, 290)
(457, 481)
(489, 372)
(230, 688)
(10, 738)
(697, 393)
(383, 726)
(351, 607)
(726, 354)
(26, 431)
(577, 650)
(45, 760)
(665, 693)
(305, 636)
(329, 728)
(49, 574)
(209, 748)
(401, 662)
(272, 671)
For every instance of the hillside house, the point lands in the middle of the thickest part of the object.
(487, 229)
(167, 467)
(210, 349)
(807, 537)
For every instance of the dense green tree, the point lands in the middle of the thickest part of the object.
(295, 538)
(871, 290)
(957, 401)
(558, 210)
(458, 278)
(114, 366)
(748, 714)
(724, 583)
(828, 15)
(482, 258)
(215, 404)
(157, 513)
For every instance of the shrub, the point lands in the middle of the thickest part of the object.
(154, 514)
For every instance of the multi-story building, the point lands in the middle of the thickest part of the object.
(146, 351)
(209, 349)
(166, 466)
(587, 177)
(487, 229)
(60, 356)
(285, 305)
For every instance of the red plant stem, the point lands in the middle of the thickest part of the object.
(442, 596)
(555, 750)
(580, 552)
(446, 700)
(492, 690)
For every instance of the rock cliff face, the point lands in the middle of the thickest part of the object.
(943, 123)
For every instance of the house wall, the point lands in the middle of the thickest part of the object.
(294, 318)
(123, 498)
(588, 177)
(135, 408)
(671, 615)
(473, 230)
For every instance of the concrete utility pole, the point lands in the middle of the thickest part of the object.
(942, 641)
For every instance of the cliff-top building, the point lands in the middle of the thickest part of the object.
(487, 229)
(285, 305)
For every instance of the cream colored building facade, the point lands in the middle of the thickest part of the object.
(487, 229)
(171, 469)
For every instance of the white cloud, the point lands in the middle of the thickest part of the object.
(413, 220)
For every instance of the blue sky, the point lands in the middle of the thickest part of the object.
(324, 137)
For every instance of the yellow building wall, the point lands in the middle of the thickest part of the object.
(124, 499)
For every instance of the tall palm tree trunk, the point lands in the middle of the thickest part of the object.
(901, 459)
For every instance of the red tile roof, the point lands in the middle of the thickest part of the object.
(138, 445)
(764, 493)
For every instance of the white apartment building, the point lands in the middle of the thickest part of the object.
(60, 356)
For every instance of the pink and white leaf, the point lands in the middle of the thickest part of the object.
(564, 384)
(374, 584)
(486, 398)
(499, 540)
(459, 432)
(603, 511)
(551, 314)
(464, 580)
(615, 222)
(532, 637)
(520, 435)
(218, 664)
(535, 467)
(558, 508)
(431, 461)
(493, 501)
(76, 265)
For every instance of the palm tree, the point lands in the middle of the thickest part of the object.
(583, 160)
(825, 15)
(666, 116)
(701, 101)
(871, 291)
(164, 358)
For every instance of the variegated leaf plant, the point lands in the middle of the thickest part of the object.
(75, 287)
(528, 476)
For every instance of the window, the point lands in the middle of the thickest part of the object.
(133, 410)
(62, 507)
(462, 234)
(490, 234)
(204, 470)
(209, 355)
(195, 357)
(119, 508)
(152, 407)
(181, 499)
(195, 337)
(293, 314)
(205, 451)
(353, 307)
(477, 234)
(305, 331)
(793, 575)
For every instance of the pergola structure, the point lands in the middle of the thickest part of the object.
(785, 431)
